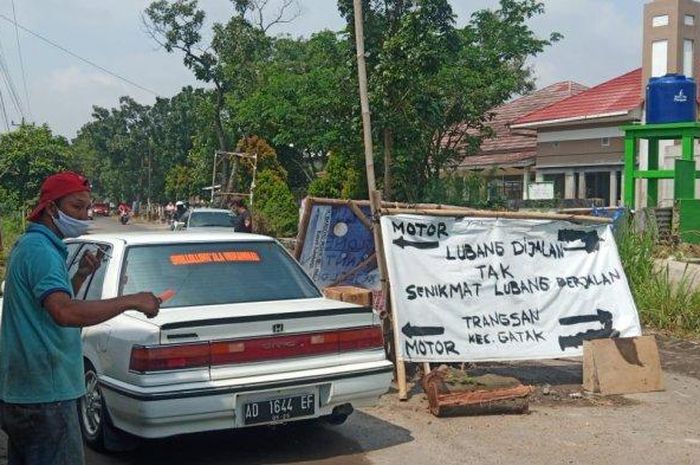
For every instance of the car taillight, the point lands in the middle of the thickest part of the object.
(175, 357)
(170, 357)
(361, 339)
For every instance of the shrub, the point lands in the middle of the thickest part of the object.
(11, 226)
(662, 304)
(342, 180)
(274, 210)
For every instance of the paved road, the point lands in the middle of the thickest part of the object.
(657, 428)
(111, 224)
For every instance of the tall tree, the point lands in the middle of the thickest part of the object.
(27, 156)
(304, 102)
(227, 62)
(428, 78)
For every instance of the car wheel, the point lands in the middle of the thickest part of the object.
(92, 411)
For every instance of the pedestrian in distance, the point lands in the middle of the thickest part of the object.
(244, 220)
(41, 360)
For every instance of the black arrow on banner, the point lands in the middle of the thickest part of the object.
(413, 331)
(403, 243)
(602, 316)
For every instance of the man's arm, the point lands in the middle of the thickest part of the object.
(79, 313)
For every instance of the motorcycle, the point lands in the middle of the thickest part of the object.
(124, 217)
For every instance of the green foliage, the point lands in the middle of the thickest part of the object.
(343, 179)
(12, 224)
(433, 84)
(129, 151)
(470, 190)
(180, 183)
(467, 190)
(27, 156)
(661, 303)
(275, 211)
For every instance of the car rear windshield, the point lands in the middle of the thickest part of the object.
(214, 219)
(215, 273)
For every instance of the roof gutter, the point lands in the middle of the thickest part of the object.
(536, 124)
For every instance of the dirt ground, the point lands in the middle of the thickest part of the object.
(564, 426)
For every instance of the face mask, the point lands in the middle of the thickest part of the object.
(69, 226)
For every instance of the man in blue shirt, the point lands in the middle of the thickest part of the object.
(41, 362)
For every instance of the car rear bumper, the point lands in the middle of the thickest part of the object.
(158, 412)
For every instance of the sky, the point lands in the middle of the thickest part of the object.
(602, 39)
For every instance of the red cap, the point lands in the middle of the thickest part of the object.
(56, 187)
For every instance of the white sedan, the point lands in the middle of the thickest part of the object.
(243, 338)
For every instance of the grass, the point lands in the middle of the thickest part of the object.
(662, 304)
(11, 226)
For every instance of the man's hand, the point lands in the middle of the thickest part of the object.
(146, 303)
(89, 263)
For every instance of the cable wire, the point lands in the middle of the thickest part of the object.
(75, 55)
(21, 63)
(7, 77)
(4, 112)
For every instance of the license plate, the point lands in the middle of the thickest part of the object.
(285, 408)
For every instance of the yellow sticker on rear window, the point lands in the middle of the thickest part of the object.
(199, 258)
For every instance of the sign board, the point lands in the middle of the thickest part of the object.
(540, 190)
(335, 246)
(488, 289)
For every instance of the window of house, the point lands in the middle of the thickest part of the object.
(688, 46)
(659, 21)
(659, 58)
(689, 20)
(605, 142)
(559, 180)
(598, 185)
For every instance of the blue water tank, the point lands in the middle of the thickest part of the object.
(671, 99)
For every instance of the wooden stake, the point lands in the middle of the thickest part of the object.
(360, 215)
(376, 199)
(308, 204)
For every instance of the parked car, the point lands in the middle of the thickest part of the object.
(205, 218)
(244, 338)
(100, 208)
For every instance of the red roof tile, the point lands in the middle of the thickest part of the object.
(621, 94)
(507, 142)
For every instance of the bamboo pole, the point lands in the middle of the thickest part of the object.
(360, 215)
(376, 199)
(308, 204)
(364, 98)
(497, 214)
(356, 269)
(385, 204)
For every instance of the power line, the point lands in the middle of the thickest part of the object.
(21, 62)
(4, 112)
(7, 77)
(74, 55)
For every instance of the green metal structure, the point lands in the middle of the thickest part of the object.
(684, 172)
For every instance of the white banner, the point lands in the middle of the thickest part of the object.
(481, 289)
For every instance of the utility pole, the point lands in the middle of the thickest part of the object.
(149, 178)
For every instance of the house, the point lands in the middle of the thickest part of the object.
(508, 156)
(580, 147)
(575, 141)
